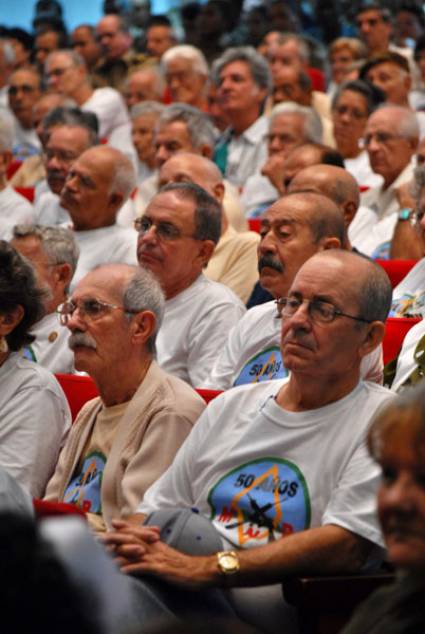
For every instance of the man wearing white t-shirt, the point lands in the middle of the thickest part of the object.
(177, 236)
(278, 473)
(53, 254)
(96, 187)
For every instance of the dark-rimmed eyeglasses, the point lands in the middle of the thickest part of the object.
(163, 230)
(318, 310)
(91, 308)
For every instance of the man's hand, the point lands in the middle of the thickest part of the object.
(405, 196)
(138, 550)
(274, 171)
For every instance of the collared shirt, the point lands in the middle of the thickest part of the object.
(247, 153)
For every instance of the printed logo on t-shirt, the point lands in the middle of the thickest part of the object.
(260, 501)
(265, 366)
(409, 305)
(83, 489)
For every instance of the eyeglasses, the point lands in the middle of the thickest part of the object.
(91, 308)
(319, 311)
(381, 137)
(163, 230)
(25, 88)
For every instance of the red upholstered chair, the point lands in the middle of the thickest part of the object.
(78, 390)
(396, 269)
(254, 224)
(26, 192)
(43, 508)
(12, 168)
(396, 328)
(208, 395)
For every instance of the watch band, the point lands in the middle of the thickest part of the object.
(405, 213)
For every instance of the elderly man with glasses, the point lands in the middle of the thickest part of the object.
(126, 438)
(278, 472)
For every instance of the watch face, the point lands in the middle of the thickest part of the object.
(228, 562)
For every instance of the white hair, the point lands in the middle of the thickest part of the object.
(408, 126)
(313, 129)
(189, 53)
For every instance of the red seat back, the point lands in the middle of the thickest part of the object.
(43, 508)
(208, 395)
(12, 168)
(26, 192)
(396, 269)
(254, 224)
(78, 390)
(396, 328)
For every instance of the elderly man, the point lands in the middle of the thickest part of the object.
(144, 118)
(124, 440)
(290, 125)
(53, 254)
(183, 128)
(293, 229)
(253, 468)
(66, 73)
(391, 138)
(234, 261)
(24, 90)
(14, 208)
(186, 72)
(244, 83)
(65, 144)
(145, 84)
(96, 187)
(177, 236)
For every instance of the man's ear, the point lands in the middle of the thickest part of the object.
(219, 191)
(373, 338)
(330, 243)
(9, 320)
(116, 199)
(205, 251)
(63, 273)
(206, 150)
(143, 326)
(349, 213)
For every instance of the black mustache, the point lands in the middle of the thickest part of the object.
(270, 262)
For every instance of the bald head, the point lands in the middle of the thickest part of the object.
(193, 168)
(307, 155)
(331, 181)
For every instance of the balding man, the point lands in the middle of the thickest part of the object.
(97, 185)
(292, 230)
(145, 84)
(126, 438)
(391, 138)
(66, 73)
(341, 187)
(278, 472)
(234, 261)
(306, 155)
(177, 236)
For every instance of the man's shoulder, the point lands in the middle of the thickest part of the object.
(205, 289)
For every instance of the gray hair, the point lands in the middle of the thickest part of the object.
(143, 292)
(153, 70)
(6, 136)
(189, 53)
(407, 121)
(303, 48)
(208, 211)
(146, 107)
(74, 118)
(58, 243)
(199, 125)
(124, 178)
(258, 65)
(313, 129)
(76, 59)
(375, 296)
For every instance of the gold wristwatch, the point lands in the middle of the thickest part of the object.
(228, 562)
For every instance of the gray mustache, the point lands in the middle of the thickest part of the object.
(269, 262)
(81, 339)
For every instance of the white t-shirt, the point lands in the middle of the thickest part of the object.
(252, 352)
(194, 329)
(106, 245)
(110, 109)
(361, 170)
(405, 362)
(50, 348)
(34, 421)
(14, 210)
(409, 295)
(247, 153)
(260, 472)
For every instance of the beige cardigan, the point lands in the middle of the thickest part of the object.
(156, 422)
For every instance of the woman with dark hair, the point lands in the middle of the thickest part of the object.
(352, 104)
(396, 440)
(34, 414)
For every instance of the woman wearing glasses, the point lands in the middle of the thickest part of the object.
(352, 104)
(34, 414)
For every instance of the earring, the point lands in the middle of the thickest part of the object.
(3, 345)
